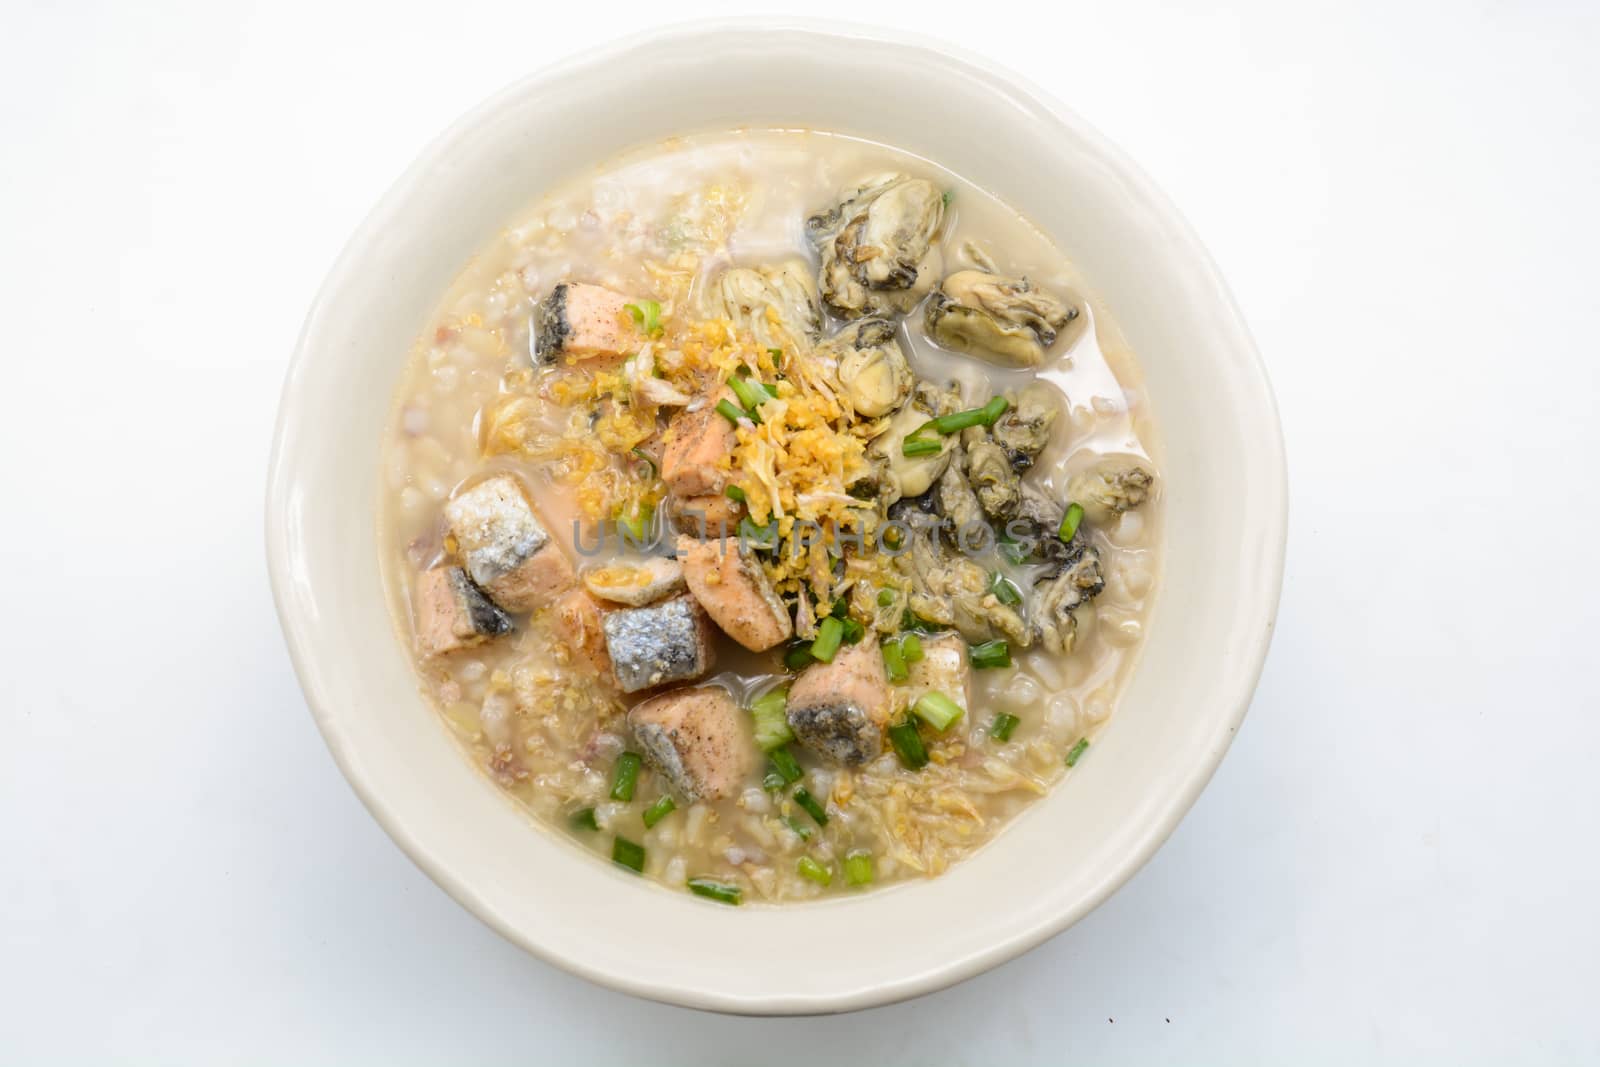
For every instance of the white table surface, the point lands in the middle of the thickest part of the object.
(1396, 863)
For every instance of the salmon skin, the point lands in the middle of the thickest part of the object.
(666, 642)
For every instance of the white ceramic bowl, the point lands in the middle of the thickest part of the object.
(1225, 497)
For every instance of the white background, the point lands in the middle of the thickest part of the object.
(1397, 861)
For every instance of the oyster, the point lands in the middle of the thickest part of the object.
(951, 590)
(1035, 524)
(1060, 599)
(1113, 485)
(1003, 320)
(1024, 429)
(895, 474)
(877, 246)
(873, 374)
(958, 504)
(990, 473)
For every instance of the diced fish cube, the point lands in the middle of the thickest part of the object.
(698, 443)
(544, 577)
(505, 548)
(583, 322)
(578, 621)
(454, 613)
(698, 739)
(662, 643)
(729, 583)
(840, 709)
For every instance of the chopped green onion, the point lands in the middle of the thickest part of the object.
(658, 811)
(634, 527)
(1002, 726)
(735, 494)
(772, 389)
(1070, 521)
(801, 830)
(957, 421)
(1005, 591)
(853, 631)
(947, 196)
(784, 763)
(816, 872)
(803, 797)
(751, 396)
(626, 776)
(583, 819)
(773, 782)
(650, 464)
(894, 662)
(885, 597)
(1013, 551)
(908, 745)
(798, 657)
(921, 446)
(911, 645)
(858, 868)
(777, 356)
(1077, 751)
(989, 655)
(722, 894)
(772, 728)
(726, 409)
(646, 315)
(625, 853)
(829, 634)
(937, 710)
(840, 609)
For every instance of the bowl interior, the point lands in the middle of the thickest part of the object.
(1224, 490)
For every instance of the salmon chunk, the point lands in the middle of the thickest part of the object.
(841, 709)
(729, 583)
(579, 624)
(504, 548)
(698, 444)
(583, 322)
(453, 613)
(666, 642)
(698, 739)
(544, 577)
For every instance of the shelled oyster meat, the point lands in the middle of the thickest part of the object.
(949, 589)
(871, 368)
(1024, 429)
(895, 475)
(1061, 599)
(1004, 320)
(1110, 487)
(993, 479)
(877, 246)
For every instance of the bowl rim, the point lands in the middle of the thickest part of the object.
(1227, 318)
